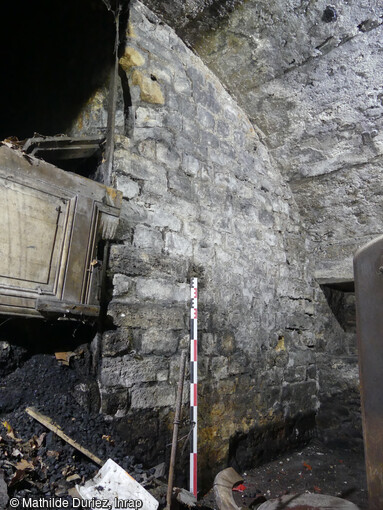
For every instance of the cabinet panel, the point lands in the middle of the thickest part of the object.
(51, 222)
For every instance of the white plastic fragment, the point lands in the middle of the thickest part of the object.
(117, 489)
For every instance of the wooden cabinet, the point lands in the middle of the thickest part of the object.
(51, 224)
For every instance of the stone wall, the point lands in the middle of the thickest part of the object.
(202, 198)
(309, 75)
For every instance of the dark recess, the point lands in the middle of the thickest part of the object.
(263, 444)
(54, 55)
(329, 14)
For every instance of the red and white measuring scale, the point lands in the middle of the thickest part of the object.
(193, 384)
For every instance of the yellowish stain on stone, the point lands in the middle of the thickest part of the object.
(281, 344)
(150, 90)
(130, 31)
(131, 58)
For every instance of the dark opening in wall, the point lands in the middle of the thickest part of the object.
(341, 300)
(54, 55)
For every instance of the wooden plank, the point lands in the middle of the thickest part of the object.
(47, 306)
(51, 425)
(51, 222)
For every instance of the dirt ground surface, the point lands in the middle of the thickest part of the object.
(316, 468)
(35, 463)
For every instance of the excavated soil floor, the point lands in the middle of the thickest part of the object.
(34, 462)
(316, 468)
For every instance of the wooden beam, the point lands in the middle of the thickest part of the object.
(51, 425)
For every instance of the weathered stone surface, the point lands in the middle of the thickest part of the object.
(147, 238)
(117, 343)
(161, 290)
(129, 188)
(150, 91)
(294, 70)
(159, 342)
(147, 315)
(127, 371)
(213, 203)
(131, 58)
(153, 396)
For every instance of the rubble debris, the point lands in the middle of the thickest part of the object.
(301, 501)
(223, 487)
(113, 484)
(51, 387)
(47, 422)
(159, 470)
(185, 497)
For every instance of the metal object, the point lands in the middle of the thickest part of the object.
(175, 429)
(193, 384)
(369, 307)
(51, 224)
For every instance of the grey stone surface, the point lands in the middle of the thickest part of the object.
(256, 192)
(127, 371)
(152, 397)
(212, 204)
(312, 84)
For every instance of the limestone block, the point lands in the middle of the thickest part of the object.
(159, 217)
(162, 290)
(182, 85)
(131, 213)
(147, 148)
(219, 367)
(298, 397)
(161, 395)
(159, 342)
(191, 165)
(177, 244)
(208, 343)
(180, 184)
(149, 117)
(191, 129)
(122, 284)
(150, 90)
(167, 156)
(126, 371)
(226, 343)
(129, 188)
(148, 315)
(115, 401)
(147, 239)
(205, 118)
(158, 184)
(131, 58)
(133, 165)
(117, 342)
